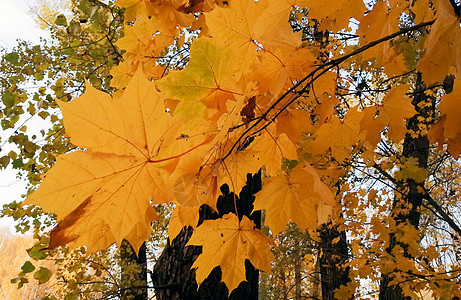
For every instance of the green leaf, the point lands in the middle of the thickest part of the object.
(42, 275)
(83, 5)
(30, 147)
(5, 124)
(70, 297)
(209, 60)
(74, 28)
(17, 163)
(288, 164)
(13, 205)
(12, 154)
(8, 99)
(61, 20)
(38, 76)
(22, 281)
(4, 161)
(27, 267)
(12, 58)
(36, 252)
(43, 114)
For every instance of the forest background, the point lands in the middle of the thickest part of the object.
(346, 117)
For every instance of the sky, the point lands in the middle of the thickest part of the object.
(15, 23)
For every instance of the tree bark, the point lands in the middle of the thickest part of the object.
(134, 272)
(406, 208)
(172, 277)
(298, 277)
(332, 259)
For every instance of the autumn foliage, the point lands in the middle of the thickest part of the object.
(271, 85)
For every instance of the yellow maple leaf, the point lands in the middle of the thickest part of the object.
(243, 25)
(338, 135)
(326, 108)
(123, 72)
(293, 122)
(393, 112)
(370, 125)
(451, 108)
(180, 217)
(102, 195)
(146, 38)
(295, 197)
(411, 170)
(234, 169)
(272, 148)
(443, 46)
(134, 8)
(396, 108)
(168, 10)
(207, 82)
(282, 65)
(422, 14)
(228, 243)
(195, 183)
(449, 125)
(378, 23)
(335, 15)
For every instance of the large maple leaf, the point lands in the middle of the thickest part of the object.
(245, 25)
(448, 127)
(443, 46)
(229, 242)
(102, 195)
(378, 23)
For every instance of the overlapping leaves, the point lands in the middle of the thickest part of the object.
(102, 194)
(179, 139)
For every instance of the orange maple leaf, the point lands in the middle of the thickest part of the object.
(228, 243)
(244, 24)
(295, 197)
(443, 46)
(271, 148)
(449, 124)
(378, 23)
(393, 111)
(338, 135)
(102, 195)
(335, 15)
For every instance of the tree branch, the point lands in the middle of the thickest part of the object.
(309, 79)
(442, 214)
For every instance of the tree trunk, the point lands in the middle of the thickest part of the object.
(172, 277)
(333, 256)
(316, 285)
(134, 272)
(405, 208)
(298, 278)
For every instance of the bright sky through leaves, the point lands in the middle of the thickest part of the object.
(15, 15)
(309, 106)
